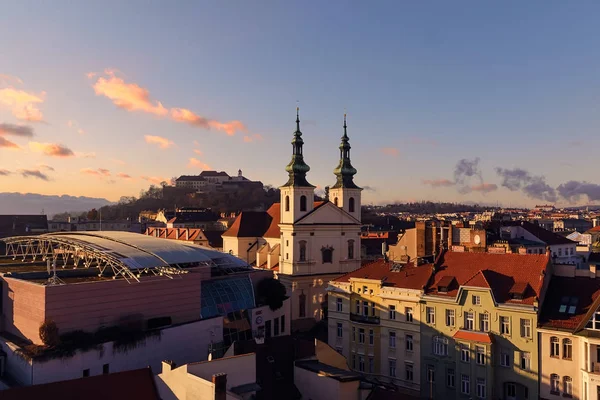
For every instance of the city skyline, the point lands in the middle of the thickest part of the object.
(451, 103)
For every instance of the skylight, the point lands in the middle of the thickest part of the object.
(568, 305)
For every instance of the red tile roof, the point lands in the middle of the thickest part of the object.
(136, 384)
(408, 277)
(472, 336)
(273, 230)
(499, 272)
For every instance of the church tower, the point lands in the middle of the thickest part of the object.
(345, 194)
(297, 195)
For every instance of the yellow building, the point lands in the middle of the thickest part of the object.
(479, 316)
(374, 320)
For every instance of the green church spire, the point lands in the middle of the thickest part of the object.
(297, 168)
(345, 171)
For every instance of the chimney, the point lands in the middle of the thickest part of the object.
(168, 366)
(220, 383)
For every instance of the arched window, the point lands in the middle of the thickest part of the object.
(351, 204)
(302, 203)
(335, 201)
(287, 203)
(302, 245)
(567, 349)
(302, 305)
(554, 384)
(554, 347)
(327, 254)
(567, 386)
(350, 249)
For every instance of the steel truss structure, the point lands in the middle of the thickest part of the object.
(66, 252)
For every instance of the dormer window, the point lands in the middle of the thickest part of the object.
(517, 291)
(445, 284)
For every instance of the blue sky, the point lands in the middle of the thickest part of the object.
(425, 84)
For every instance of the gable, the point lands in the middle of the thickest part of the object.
(327, 214)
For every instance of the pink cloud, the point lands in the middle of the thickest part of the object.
(7, 79)
(154, 179)
(195, 163)
(100, 172)
(51, 149)
(189, 117)
(123, 175)
(7, 144)
(23, 105)
(438, 182)
(484, 187)
(199, 152)
(252, 138)
(390, 151)
(162, 142)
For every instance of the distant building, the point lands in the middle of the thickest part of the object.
(13, 225)
(209, 181)
(189, 217)
(197, 236)
(572, 224)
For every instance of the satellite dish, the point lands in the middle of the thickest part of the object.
(477, 239)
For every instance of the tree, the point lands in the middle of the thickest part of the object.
(49, 333)
(271, 292)
(92, 215)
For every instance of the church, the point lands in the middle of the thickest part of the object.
(306, 243)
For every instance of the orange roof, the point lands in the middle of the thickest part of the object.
(472, 336)
(408, 276)
(498, 272)
(273, 230)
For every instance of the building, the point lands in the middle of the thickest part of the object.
(11, 225)
(572, 224)
(479, 316)
(374, 321)
(312, 242)
(197, 236)
(210, 181)
(116, 294)
(78, 225)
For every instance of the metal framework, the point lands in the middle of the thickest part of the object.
(67, 252)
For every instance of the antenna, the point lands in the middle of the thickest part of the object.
(54, 280)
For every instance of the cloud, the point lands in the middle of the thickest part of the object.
(16, 130)
(128, 96)
(442, 182)
(532, 186)
(123, 175)
(466, 169)
(7, 79)
(4, 172)
(117, 161)
(85, 155)
(162, 142)
(100, 172)
(195, 163)
(189, 117)
(34, 173)
(51, 149)
(484, 187)
(46, 167)
(4, 143)
(23, 105)
(71, 123)
(370, 188)
(573, 190)
(154, 179)
(199, 152)
(90, 75)
(252, 138)
(390, 151)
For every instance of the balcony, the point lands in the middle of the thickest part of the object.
(364, 319)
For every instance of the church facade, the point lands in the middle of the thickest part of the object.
(306, 243)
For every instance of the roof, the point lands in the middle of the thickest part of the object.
(213, 173)
(473, 336)
(550, 238)
(387, 393)
(190, 178)
(594, 258)
(187, 234)
(585, 290)
(595, 229)
(498, 272)
(275, 213)
(136, 384)
(11, 225)
(328, 371)
(407, 276)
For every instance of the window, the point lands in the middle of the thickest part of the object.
(366, 308)
(440, 346)
(476, 300)
(408, 367)
(525, 328)
(480, 355)
(392, 312)
(430, 373)
(505, 325)
(465, 384)
(287, 203)
(430, 315)
(335, 201)
(353, 361)
(567, 386)
(302, 305)
(511, 391)
(559, 251)
(327, 255)
(372, 309)
(302, 245)
(408, 311)
(357, 307)
(351, 204)
(525, 360)
(275, 326)
(554, 347)
(554, 384)
(504, 358)
(283, 324)
(361, 363)
(450, 377)
(469, 321)
(339, 304)
(371, 365)
(302, 203)
(361, 335)
(350, 249)
(465, 353)
(340, 330)
(484, 322)
(106, 369)
(409, 342)
(392, 367)
(365, 289)
(86, 373)
(392, 339)
(481, 389)
(594, 322)
(371, 337)
(449, 317)
(567, 349)
(354, 334)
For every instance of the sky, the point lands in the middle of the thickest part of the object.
(468, 101)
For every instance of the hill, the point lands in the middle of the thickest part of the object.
(33, 203)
